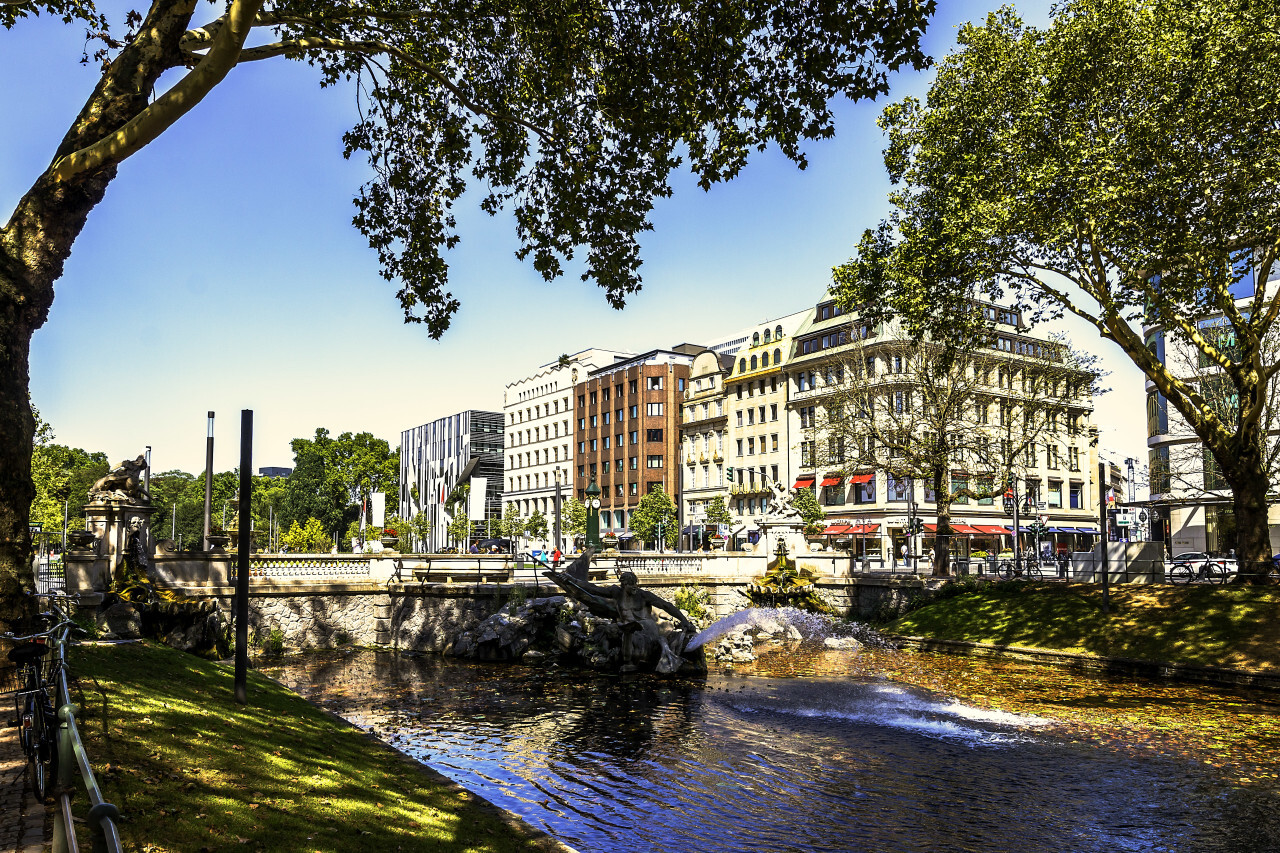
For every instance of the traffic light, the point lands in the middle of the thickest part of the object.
(728, 473)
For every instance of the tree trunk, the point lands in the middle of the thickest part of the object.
(17, 426)
(1253, 532)
(34, 245)
(942, 536)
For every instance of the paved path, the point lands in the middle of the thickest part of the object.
(22, 819)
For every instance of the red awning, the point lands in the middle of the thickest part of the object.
(861, 479)
(863, 529)
(804, 482)
(831, 481)
(836, 529)
(991, 530)
(956, 529)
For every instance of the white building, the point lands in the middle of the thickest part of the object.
(537, 416)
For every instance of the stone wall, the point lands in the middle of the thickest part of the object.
(426, 617)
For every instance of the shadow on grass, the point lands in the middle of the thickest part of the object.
(193, 771)
(1203, 625)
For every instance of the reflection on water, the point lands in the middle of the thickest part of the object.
(775, 764)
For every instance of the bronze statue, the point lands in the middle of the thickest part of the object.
(123, 482)
(632, 609)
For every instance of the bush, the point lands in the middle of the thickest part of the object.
(274, 644)
(693, 600)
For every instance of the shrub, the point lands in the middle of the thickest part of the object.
(693, 600)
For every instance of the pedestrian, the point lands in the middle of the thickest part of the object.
(475, 548)
(556, 557)
(903, 553)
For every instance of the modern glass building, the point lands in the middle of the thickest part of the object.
(437, 457)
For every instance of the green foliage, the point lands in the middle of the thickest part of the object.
(1119, 166)
(332, 476)
(806, 503)
(536, 525)
(512, 524)
(693, 600)
(717, 512)
(308, 538)
(573, 517)
(62, 477)
(273, 643)
(459, 529)
(656, 513)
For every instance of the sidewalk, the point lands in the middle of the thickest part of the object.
(22, 819)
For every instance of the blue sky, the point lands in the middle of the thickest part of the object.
(222, 272)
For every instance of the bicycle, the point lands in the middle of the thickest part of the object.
(1030, 569)
(1186, 571)
(37, 687)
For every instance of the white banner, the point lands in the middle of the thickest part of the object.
(378, 507)
(475, 501)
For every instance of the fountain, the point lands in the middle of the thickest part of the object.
(784, 584)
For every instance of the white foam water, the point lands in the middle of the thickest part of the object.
(812, 626)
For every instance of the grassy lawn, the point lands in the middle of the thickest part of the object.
(193, 771)
(1205, 625)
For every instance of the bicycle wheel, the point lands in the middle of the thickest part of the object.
(1032, 570)
(38, 750)
(1179, 573)
(1215, 573)
(1005, 569)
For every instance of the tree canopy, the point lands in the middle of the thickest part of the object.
(572, 116)
(1119, 165)
(655, 517)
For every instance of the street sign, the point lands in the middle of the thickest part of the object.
(1123, 519)
(1044, 519)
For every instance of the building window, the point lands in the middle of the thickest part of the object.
(1073, 458)
(958, 483)
(582, 401)
(775, 448)
(1076, 493)
(582, 470)
(742, 366)
(739, 447)
(984, 487)
(773, 412)
(606, 442)
(754, 362)
(582, 447)
(634, 436)
(653, 409)
(595, 421)
(653, 435)
(1055, 495)
(593, 398)
(653, 461)
(655, 383)
(606, 418)
(635, 489)
(635, 463)
(593, 445)
(617, 465)
(833, 495)
(899, 489)
(582, 423)
(751, 447)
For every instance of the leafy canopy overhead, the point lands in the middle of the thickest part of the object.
(571, 114)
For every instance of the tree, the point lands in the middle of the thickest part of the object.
(334, 477)
(52, 481)
(717, 512)
(573, 517)
(512, 526)
(458, 530)
(655, 516)
(308, 538)
(536, 525)
(1119, 166)
(964, 419)
(811, 512)
(573, 115)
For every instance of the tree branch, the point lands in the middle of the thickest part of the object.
(173, 104)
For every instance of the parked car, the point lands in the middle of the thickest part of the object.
(1188, 565)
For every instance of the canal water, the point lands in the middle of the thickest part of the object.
(759, 763)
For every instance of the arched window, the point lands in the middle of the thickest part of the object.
(777, 333)
(764, 357)
(777, 356)
(766, 336)
(755, 339)
(753, 362)
(742, 365)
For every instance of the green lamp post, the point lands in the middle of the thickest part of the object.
(593, 515)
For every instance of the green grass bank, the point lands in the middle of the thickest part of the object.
(193, 771)
(1217, 626)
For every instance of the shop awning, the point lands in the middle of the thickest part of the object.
(863, 529)
(831, 481)
(956, 529)
(803, 482)
(836, 530)
(1091, 531)
(991, 530)
(861, 479)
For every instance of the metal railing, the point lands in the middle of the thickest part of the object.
(50, 574)
(72, 756)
